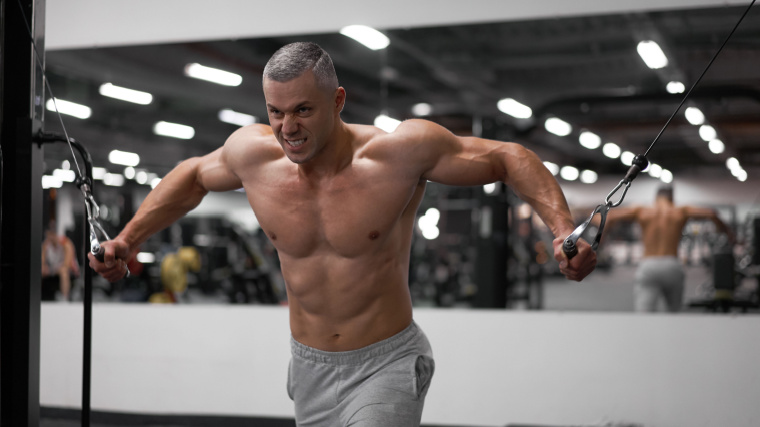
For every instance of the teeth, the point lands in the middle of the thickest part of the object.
(296, 142)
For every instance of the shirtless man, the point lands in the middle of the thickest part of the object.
(339, 201)
(660, 275)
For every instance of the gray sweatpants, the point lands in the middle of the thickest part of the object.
(659, 278)
(381, 385)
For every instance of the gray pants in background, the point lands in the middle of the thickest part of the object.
(381, 385)
(659, 278)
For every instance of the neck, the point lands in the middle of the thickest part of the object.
(335, 156)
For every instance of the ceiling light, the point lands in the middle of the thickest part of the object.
(65, 165)
(113, 180)
(707, 132)
(123, 158)
(124, 94)
(675, 87)
(129, 172)
(666, 176)
(146, 257)
(236, 118)
(569, 173)
(589, 176)
(49, 181)
(654, 170)
(213, 75)
(741, 175)
(627, 158)
(422, 109)
(141, 177)
(65, 175)
(652, 55)
(590, 140)
(386, 123)
(367, 36)
(553, 168)
(694, 116)
(611, 150)
(489, 188)
(154, 182)
(98, 173)
(173, 130)
(716, 146)
(514, 108)
(69, 108)
(557, 126)
(733, 164)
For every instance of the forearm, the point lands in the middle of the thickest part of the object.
(178, 193)
(533, 183)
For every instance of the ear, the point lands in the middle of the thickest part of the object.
(340, 99)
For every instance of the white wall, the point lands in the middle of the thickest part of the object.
(93, 23)
(493, 367)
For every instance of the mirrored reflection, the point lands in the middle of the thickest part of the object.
(484, 247)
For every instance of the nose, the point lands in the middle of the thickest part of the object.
(289, 125)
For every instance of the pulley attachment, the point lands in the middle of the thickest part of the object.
(569, 246)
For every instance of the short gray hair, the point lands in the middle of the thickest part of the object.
(292, 60)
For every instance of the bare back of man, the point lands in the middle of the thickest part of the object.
(662, 224)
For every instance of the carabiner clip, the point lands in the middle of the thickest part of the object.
(569, 246)
(93, 218)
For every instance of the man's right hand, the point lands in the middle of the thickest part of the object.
(114, 265)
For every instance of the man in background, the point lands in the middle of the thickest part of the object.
(660, 275)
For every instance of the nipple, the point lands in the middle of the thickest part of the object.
(374, 235)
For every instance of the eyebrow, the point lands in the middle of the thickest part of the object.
(302, 104)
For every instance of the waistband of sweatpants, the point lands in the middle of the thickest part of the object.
(359, 355)
(660, 259)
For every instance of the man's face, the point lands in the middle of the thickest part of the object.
(302, 115)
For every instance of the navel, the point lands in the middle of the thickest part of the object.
(374, 235)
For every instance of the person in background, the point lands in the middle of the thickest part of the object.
(59, 264)
(660, 275)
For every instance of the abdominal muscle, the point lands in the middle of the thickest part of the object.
(340, 304)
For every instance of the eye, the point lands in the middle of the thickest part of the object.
(304, 110)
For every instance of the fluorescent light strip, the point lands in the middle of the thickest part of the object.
(422, 109)
(367, 36)
(707, 133)
(130, 95)
(557, 126)
(123, 158)
(69, 108)
(213, 75)
(675, 87)
(553, 168)
(235, 118)
(569, 173)
(173, 130)
(694, 116)
(590, 140)
(49, 181)
(386, 123)
(514, 108)
(652, 55)
(611, 150)
(113, 180)
(65, 175)
(716, 146)
(589, 177)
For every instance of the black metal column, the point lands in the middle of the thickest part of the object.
(20, 235)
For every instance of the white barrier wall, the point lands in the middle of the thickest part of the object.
(493, 367)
